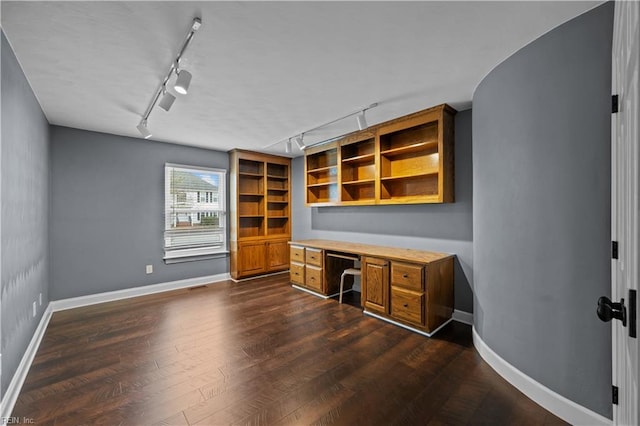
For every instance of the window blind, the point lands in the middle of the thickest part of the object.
(194, 211)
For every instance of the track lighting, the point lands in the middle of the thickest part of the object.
(144, 131)
(183, 79)
(362, 121)
(167, 100)
(182, 82)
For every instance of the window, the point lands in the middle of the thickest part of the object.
(194, 212)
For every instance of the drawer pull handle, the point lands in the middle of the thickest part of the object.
(405, 276)
(406, 305)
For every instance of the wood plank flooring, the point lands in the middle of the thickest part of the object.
(259, 353)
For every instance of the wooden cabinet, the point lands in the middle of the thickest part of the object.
(401, 161)
(309, 270)
(251, 257)
(260, 213)
(277, 254)
(375, 285)
(413, 288)
(407, 293)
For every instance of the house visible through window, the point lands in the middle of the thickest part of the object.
(194, 212)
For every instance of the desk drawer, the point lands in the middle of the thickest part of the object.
(313, 278)
(296, 254)
(296, 272)
(407, 305)
(407, 275)
(313, 256)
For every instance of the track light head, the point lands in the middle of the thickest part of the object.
(298, 140)
(362, 121)
(167, 100)
(143, 129)
(182, 82)
(197, 22)
(287, 146)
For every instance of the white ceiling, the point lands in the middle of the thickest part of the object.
(264, 71)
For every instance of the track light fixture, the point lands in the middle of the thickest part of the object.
(167, 100)
(143, 129)
(298, 140)
(183, 79)
(360, 119)
(182, 82)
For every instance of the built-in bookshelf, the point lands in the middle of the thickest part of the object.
(260, 213)
(407, 160)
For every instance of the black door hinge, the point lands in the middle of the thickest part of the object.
(614, 104)
(632, 313)
(614, 249)
(614, 395)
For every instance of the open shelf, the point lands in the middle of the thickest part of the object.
(250, 167)
(405, 160)
(416, 176)
(413, 148)
(320, 185)
(251, 226)
(323, 193)
(359, 182)
(401, 187)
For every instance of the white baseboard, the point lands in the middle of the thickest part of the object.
(110, 296)
(406, 327)
(463, 317)
(13, 391)
(562, 407)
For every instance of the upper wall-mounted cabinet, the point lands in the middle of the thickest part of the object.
(408, 160)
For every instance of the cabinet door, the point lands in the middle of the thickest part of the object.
(375, 285)
(313, 278)
(251, 258)
(277, 255)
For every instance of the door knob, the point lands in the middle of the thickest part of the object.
(608, 310)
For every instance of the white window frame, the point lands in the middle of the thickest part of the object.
(173, 251)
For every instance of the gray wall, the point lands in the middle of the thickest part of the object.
(24, 193)
(107, 212)
(541, 223)
(435, 227)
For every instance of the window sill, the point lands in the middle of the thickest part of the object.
(181, 258)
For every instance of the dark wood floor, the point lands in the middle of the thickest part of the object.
(259, 352)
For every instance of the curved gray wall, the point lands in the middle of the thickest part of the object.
(541, 204)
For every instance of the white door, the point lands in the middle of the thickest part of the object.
(625, 205)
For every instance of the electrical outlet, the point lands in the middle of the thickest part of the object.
(149, 269)
(34, 309)
(40, 299)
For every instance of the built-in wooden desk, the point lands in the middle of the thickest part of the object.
(410, 288)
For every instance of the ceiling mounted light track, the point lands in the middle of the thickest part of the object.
(183, 80)
(360, 119)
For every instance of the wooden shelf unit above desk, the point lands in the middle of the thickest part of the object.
(407, 160)
(412, 288)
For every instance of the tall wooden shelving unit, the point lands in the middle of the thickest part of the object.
(260, 213)
(407, 160)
